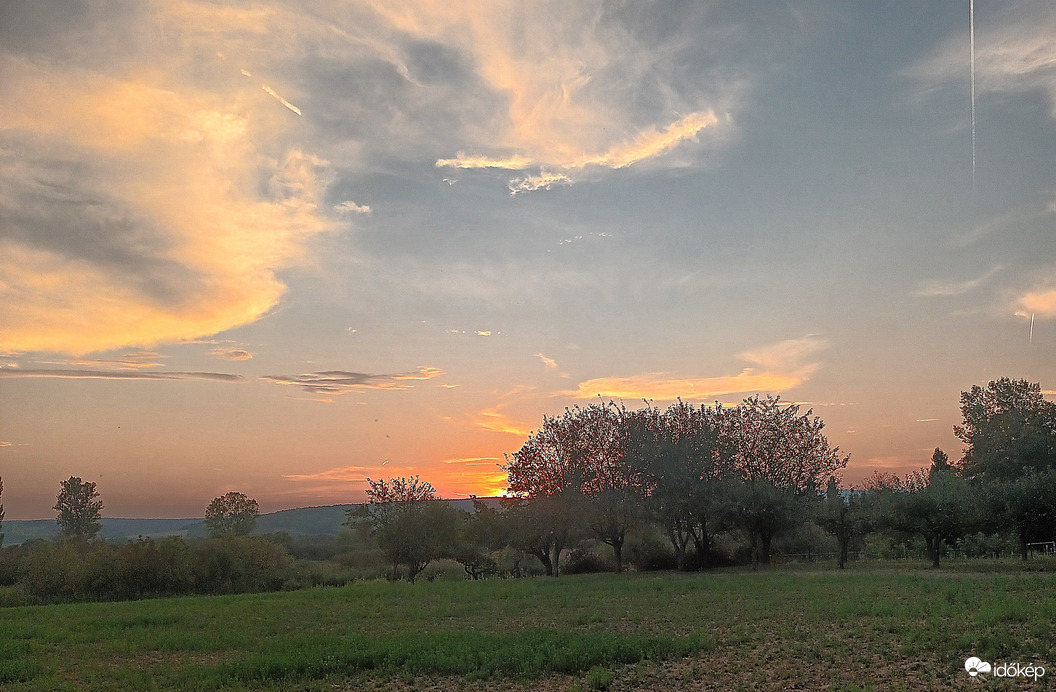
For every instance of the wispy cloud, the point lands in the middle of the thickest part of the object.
(474, 461)
(544, 181)
(225, 353)
(1016, 53)
(138, 359)
(343, 382)
(344, 474)
(938, 287)
(496, 421)
(780, 367)
(548, 363)
(118, 375)
(569, 78)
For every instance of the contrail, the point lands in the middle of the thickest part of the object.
(281, 99)
(971, 41)
(1031, 339)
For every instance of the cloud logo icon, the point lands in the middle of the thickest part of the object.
(974, 666)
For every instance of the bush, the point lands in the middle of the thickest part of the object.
(586, 561)
(649, 552)
(240, 564)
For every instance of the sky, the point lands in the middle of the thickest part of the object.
(279, 247)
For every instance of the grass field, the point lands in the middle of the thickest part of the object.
(869, 627)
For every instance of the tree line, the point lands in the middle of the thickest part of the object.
(754, 472)
(598, 487)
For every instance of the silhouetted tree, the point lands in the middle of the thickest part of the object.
(1010, 429)
(1026, 505)
(232, 514)
(481, 534)
(782, 459)
(78, 509)
(844, 518)
(674, 455)
(1, 512)
(569, 459)
(934, 503)
(410, 525)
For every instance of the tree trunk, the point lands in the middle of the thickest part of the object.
(617, 551)
(845, 542)
(765, 538)
(933, 543)
(1023, 552)
(544, 557)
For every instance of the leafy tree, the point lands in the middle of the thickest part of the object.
(1009, 429)
(78, 509)
(1026, 505)
(232, 514)
(481, 534)
(782, 459)
(410, 525)
(844, 518)
(674, 455)
(935, 504)
(568, 461)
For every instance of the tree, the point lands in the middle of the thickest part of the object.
(782, 459)
(1009, 429)
(674, 456)
(78, 509)
(1, 512)
(1026, 505)
(934, 503)
(844, 518)
(410, 525)
(232, 514)
(481, 534)
(568, 460)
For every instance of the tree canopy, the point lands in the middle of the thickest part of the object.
(78, 509)
(232, 514)
(1009, 429)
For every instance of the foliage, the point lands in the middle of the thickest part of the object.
(232, 514)
(78, 509)
(675, 457)
(480, 535)
(935, 504)
(410, 525)
(1, 512)
(1010, 429)
(845, 518)
(1026, 506)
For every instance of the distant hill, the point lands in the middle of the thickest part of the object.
(305, 521)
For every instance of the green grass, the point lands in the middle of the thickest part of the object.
(879, 628)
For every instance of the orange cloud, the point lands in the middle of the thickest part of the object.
(164, 179)
(781, 367)
(1041, 303)
(663, 388)
(496, 421)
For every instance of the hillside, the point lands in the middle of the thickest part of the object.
(304, 521)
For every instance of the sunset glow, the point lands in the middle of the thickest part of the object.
(277, 251)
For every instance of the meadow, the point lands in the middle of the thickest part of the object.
(877, 625)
